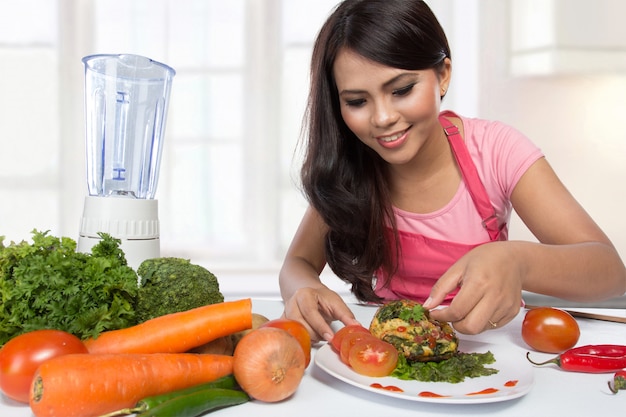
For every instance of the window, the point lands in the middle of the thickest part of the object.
(29, 120)
(227, 192)
(227, 189)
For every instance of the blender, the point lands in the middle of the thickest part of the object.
(126, 100)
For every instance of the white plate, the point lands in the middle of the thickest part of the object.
(510, 362)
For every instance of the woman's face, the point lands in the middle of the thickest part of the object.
(393, 111)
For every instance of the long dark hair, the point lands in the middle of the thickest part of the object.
(344, 180)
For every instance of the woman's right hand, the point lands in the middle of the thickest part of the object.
(316, 308)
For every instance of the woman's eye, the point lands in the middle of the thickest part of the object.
(355, 103)
(404, 90)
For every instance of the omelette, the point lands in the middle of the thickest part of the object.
(408, 326)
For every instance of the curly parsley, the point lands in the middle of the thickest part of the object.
(48, 285)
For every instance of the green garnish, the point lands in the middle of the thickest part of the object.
(453, 370)
(402, 310)
(48, 285)
(417, 313)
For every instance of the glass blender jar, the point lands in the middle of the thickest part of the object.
(126, 101)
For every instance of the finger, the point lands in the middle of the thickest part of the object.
(296, 309)
(447, 283)
(460, 307)
(338, 311)
(320, 327)
(482, 317)
(503, 320)
(344, 315)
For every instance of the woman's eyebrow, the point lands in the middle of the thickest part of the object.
(387, 83)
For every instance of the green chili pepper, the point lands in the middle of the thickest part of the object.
(198, 403)
(146, 404)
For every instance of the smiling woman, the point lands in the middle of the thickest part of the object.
(227, 195)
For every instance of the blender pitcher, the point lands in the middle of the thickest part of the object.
(126, 100)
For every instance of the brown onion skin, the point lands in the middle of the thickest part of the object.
(269, 364)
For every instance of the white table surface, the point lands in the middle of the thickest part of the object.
(555, 392)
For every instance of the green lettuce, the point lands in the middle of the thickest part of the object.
(453, 370)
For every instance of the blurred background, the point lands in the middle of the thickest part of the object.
(228, 190)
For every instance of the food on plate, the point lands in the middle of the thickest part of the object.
(595, 359)
(93, 385)
(46, 284)
(170, 285)
(339, 335)
(407, 326)
(177, 332)
(21, 356)
(349, 340)
(550, 330)
(372, 357)
(404, 342)
(454, 370)
(269, 364)
(297, 330)
(365, 353)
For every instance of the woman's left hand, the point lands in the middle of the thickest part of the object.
(489, 279)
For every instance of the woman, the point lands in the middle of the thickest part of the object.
(408, 202)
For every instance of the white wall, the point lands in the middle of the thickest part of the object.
(575, 119)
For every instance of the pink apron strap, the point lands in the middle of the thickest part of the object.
(471, 178)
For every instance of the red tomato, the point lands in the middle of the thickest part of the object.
(550, 330)
(349, 340)
(297, 330)
(373, 357)
(21, 356)
(335, 342)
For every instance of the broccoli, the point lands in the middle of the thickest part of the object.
(170, 285)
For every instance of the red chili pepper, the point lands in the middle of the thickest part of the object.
(590, 359)
(619, 381)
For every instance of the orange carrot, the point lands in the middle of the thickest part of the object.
(177, 332)
(92, 385)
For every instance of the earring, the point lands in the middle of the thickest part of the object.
(443, 92)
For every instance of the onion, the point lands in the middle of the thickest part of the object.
(269, 364)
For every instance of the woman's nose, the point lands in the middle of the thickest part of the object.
(384, 114)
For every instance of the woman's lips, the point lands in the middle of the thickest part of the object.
(393, 141)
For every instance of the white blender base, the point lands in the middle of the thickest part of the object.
(134, 221)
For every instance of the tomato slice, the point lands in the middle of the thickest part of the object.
(335, 342)
(373, 357)
(350, 340)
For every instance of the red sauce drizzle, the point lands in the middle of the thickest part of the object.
(485, 391)
(511, 383)
(386, 387)
(431, 394)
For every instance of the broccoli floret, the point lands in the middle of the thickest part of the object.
(170, 285)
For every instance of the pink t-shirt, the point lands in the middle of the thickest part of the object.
(501, 155)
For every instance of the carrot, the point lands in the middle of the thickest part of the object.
(95, 384)
(177, 332)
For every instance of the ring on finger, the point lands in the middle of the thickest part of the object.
(493, 324)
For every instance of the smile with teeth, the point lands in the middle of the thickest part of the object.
(391, 138)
